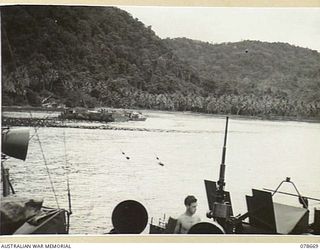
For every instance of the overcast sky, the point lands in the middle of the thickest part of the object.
(297, 26)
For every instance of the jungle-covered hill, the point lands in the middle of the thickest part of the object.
(279, 69)
(92, 56)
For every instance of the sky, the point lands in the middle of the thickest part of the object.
(296, 26)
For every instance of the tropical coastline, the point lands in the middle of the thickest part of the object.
(58, 122)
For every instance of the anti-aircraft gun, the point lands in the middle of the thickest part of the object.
(220, 207)
(264, 216)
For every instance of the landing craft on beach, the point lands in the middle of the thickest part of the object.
(102, 115)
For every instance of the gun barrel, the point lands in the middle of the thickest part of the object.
(224, 149)
(226, 132)
(221, 182)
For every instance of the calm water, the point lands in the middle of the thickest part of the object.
(260, 154)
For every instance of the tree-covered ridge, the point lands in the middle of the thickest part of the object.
(90, 51)
(253, 67)
(92, 56)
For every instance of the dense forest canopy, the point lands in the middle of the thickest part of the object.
(255, 67)
(102, 56)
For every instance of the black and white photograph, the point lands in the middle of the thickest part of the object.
(159, 120)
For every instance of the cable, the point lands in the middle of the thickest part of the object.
(36, 128)
(46, 164)
(68, 183)
(49, 175)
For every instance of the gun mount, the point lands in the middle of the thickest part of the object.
(220, 208)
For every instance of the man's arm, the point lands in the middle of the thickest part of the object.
(177, 229)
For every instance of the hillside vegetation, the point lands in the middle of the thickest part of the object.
(102, 56)
(253, 67)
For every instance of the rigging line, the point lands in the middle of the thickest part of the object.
(68, 183)
(37, 127)
(46, 164)
(67, 170)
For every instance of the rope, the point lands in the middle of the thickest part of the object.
(49, 175)
(46, 164)
(67, 169)
(36, 128)
(68, 183)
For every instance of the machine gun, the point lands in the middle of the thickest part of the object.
(264, 215)
(220, 208)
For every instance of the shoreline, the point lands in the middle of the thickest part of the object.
(58, 123)
(27, 108)
(236, 117)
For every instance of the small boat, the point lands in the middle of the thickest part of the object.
(137, 116)
(24, 215)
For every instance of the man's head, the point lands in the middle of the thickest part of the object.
(191, 204)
